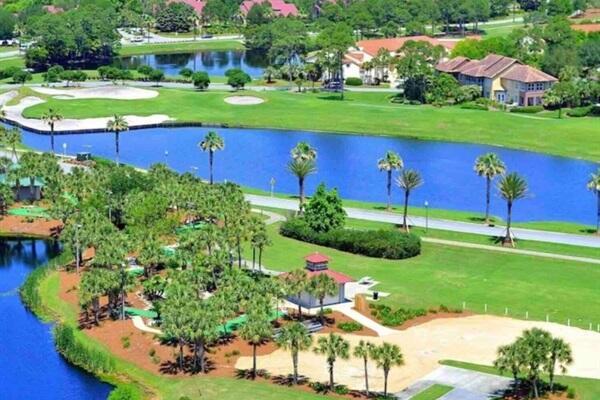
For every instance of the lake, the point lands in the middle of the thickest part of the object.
(213, 62)
(349, 162)
(30, 366)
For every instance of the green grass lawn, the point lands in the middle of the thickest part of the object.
(433, 392)
(131, 50)
(450, 275)
(586, 389)
(366, 113)
(12, 62)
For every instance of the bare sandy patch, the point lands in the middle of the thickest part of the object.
(472, 339)
(243, 100)
(102, 92)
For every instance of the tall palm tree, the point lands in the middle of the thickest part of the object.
(301, 168)
(408, 180)
(322, 286)
(594, 186)
(212, 142)
(332, 347)
(561, 356)
(303, 151)
(294, 337)
(50, 118)
(296, 283)
(365, 350)
(256, 330)
(387, 356)
(489, 165)
(389, 163)
(512, 187)
(13, 138)
(117, 125)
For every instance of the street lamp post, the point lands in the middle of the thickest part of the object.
(167, 158)
(272, 183)
(426, 216)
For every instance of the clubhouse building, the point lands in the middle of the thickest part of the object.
(503, 79)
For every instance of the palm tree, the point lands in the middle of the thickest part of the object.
(332, 347)
(212, 142)
(256, 330)
(322, 286)
(408, 180)
(50, 118)
(489, 166)
(594, 186)
(294, 337)
(387, 356)
(561, 354)
(117, 125)
(301, 168)
(202, 329)
(303, 151)
(12, 139)
(509, 360)
(365, 350)
(296, 283)
(512, 187)
(390, 162)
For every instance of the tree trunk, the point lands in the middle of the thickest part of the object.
(331, 376)
(299, 308)
(366, 377)
(210, 162)
(389, 190)
(253, 360)
(295, 362)
(322, 311)
(52, 137)
(405, 216)
(260, 250)
(535, 388)
(488, 183)
(341, 76)
(551, 373)
(301, 188)
(201, 355)
(508, 238)
(253, 257)
(239, 252)
(117, 146)
(385, 382)
(180, 354)
(96, 306)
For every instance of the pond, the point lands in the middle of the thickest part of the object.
(213, 62)
(31, 367)
(253, 156)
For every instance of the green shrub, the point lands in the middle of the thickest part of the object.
(389, 244)
(571, 393)
(579, 111)
(354, 82)
(350, 326)
(29, 290)
(341, 389)
(595, 111)
(390, 317)
(473, 106)
(527, 110)
(125, 392)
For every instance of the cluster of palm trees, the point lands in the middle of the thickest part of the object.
(534, 353)
(295, 337)
(320, 286)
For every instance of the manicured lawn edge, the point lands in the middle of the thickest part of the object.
(433, 392)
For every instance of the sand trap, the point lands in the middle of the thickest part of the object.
(15, 114)
(472, 339)
(243, 100)
(102, 92)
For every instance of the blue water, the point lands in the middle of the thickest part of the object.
(30, 367)
(213, 62)
(253, 156)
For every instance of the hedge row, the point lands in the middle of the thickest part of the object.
(527, 110)
(354, 82)
(579, 111)
(389, 244)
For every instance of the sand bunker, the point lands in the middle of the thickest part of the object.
(243, 100)
(472, 339)
(102, 92)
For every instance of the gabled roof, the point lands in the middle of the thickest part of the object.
(490, 67)
(372, 46)
(279, 7)
(453, 65)
(338, 277)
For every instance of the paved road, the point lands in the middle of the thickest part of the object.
(441, 224)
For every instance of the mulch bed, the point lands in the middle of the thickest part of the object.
(12, 224)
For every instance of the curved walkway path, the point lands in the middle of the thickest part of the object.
(441, 224)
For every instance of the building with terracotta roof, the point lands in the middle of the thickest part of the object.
(503, 79)
(358, 61)
(279, 7)
(317, 264)
(197, 5)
